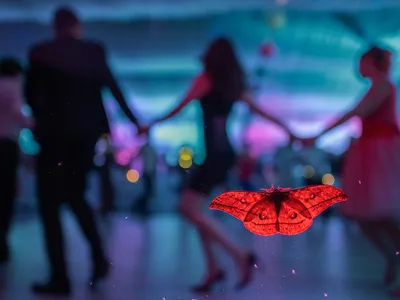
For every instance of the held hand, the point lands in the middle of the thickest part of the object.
(143, 130)
(309, 142)
(293, 138)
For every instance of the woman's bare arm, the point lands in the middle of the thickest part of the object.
(247, 97)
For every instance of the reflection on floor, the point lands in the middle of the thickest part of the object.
(159, 258)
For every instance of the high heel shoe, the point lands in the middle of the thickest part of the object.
(252, 262)
(209, 284)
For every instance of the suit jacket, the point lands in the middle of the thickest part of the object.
(63, 87)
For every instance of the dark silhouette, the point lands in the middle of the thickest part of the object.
(148, 177)
(63, 88)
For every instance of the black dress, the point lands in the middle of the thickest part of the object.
(220, 156)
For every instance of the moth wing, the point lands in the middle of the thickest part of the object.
(293, 217)
(317, 198)
(262, 218)
(237, 203)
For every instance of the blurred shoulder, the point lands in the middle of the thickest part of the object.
(41, 47)
(94, 46)
(382, 89)
(202, 79)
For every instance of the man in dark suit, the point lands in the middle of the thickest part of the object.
(63, 88)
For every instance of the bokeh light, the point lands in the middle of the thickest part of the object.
(185, 159)
(281, 2)
(101, 146)
(27, 142)
(276, 20)
(99, 160)
(186, 150)
(132, 176)
(123, 157)
(308, 172)
(185, 156)
(267, 49)
(328, 179)
(185, 164)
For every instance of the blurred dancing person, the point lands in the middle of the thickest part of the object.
(148, 177)
(218, 87)
(371, 173)
(285, 159)
(63, 88)
(246, 167)
(318, 160)
(320, 164)
(11, 122)
(106, 184)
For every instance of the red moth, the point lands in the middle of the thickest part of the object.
(282, 210)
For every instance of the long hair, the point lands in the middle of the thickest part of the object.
(225, 71)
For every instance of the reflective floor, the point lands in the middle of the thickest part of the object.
(160, 258)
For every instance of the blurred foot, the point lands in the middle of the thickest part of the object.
(100, 271)
(247, 267)
(210, 282)
(54, 287)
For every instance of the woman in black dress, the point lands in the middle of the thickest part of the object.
(218, 87)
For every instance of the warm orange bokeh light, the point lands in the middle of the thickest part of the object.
(132, 176)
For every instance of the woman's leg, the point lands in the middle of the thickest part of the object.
(213, 269)
(191, 208)
(211, 174)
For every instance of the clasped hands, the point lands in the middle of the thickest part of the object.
(307, 142)
(144, 129)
